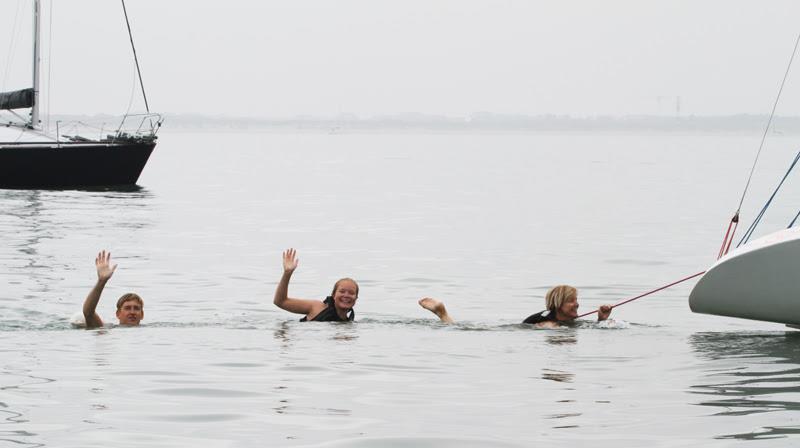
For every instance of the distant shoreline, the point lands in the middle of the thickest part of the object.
(481, 122)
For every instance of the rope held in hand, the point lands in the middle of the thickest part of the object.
(648, 293)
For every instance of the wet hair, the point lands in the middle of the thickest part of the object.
(346, 279)
(127, 298)
(558, 295)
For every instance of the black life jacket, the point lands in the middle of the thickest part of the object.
(542, 316)
(329, 313)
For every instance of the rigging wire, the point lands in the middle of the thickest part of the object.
(726, 243)
(11, 44)
(130, 99)
(769, 122)
(135, 58)
(791, 224)
(49, 66)
(760, 215)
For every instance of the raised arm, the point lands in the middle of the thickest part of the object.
(282, 299)
(104, 272)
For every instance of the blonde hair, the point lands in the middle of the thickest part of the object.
(346, 279)
(558, 295)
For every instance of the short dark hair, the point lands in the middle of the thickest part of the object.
(127, 298)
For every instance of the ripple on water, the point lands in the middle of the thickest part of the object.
(419, 442)
(305, 368)
(237, 364)
(193, 418)
(148, 373)
(202, 392)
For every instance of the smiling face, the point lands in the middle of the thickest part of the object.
(131, 311)
(345, 294)
(568, 309)
(563, 299)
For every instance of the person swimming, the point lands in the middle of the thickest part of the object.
(561, 302)
(130, 307)
(335, 308)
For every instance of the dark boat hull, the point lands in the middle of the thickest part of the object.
(73, 164)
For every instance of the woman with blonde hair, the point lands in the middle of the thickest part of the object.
(338, 307)
(561, 302)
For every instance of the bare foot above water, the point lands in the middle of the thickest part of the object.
(436, 307)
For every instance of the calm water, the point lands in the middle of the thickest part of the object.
(486, 222)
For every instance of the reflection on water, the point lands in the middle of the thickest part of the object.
(18, 382)
(558, 376)
(419, 442)
(346, 331)
(749, 374)
(348, 334)
(15, 438)
(562, 336)
(115, 189)
(281, 333)
(26, 226)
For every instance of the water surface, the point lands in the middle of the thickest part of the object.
(485, 222)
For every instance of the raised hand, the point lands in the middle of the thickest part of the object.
(290, 261)
(603, 312)
(104, 272)
(103, 264)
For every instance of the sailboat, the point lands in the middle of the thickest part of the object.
(115, 159)
(760, 279)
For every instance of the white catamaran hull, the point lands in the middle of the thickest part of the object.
(760, 281)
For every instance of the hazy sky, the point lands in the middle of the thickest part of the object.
(267, 58)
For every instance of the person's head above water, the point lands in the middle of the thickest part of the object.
(345, 293)
(337, 307)
(562, 300)
(130, 309)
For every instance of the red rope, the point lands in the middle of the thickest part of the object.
(728, 247)
(726, 243)
(648, 293)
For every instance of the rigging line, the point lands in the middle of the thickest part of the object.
(11, 44)
(760, 215)
(49, 66)
(726, 242)
(769, 122)
(648, 293)
(135, 58)
(728, 247)
(19, 136)
(130, 104)
(791, 224)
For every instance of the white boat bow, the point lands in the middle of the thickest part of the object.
(760, 281)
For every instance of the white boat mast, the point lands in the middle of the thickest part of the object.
(36, 61)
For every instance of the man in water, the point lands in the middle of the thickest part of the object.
(130, 307)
